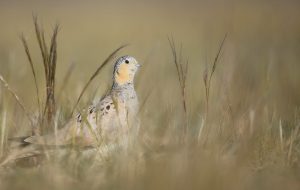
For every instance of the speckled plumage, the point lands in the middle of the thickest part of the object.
(107, 119)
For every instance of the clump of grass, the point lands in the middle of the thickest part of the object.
(49, 62)
(182, 70)
(49, 56)
(32, 70)
(207, 75)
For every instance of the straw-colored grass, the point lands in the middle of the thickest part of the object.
(230, 124)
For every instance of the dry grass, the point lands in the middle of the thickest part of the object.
(182, 71)
(16, 97)
(249, 140)
(49, 60)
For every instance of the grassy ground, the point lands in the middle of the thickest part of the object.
(243, 135)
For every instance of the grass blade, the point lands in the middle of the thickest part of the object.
(16, 97)
(26, 48)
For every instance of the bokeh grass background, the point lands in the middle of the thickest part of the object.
(249, 136)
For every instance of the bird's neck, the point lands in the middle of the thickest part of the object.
(124, 93)
(125, 90)
(123, 86)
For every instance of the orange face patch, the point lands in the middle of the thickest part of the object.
(122, 75)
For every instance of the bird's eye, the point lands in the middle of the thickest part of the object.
(126, 61)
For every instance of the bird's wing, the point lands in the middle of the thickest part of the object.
(85, 129)
(108, 118)
(106, 106)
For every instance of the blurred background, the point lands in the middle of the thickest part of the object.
(259, 62)
(256, 83)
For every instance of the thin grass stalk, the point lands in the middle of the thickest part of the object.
(183, 92)
(32, 70)
(207, 76)
(280, 135)
(292, 140)
(41, 41)
(184, 74)
(50, 81)
(44, 45)
(50, 64)
(56, 119)
(110, 57)
(217, 57)
(201, 129)
(175, 57)
(207, 80)
(16, 97)
(181, 74)
(3, 132)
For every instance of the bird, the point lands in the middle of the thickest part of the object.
(107, 119)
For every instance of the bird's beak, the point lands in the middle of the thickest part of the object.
(138, 65)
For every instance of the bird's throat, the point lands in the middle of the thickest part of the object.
(123, 76)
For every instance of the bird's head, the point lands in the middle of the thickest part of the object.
(125, 69)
